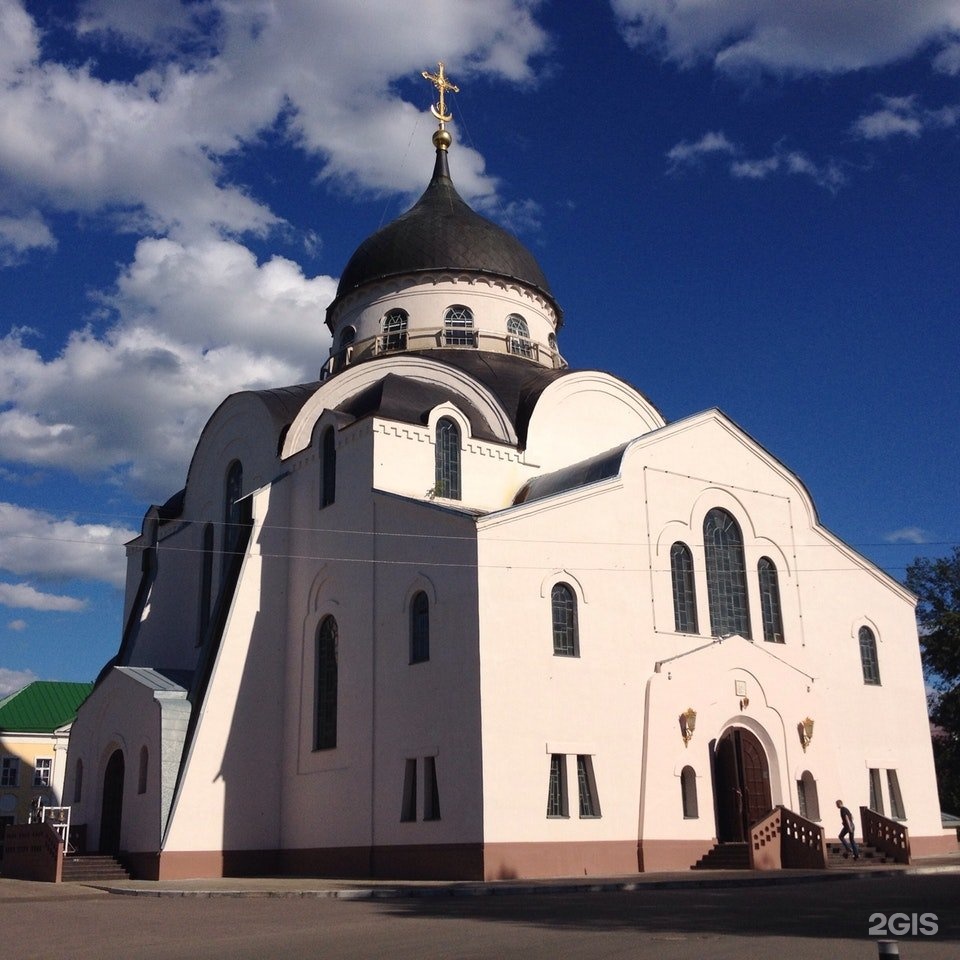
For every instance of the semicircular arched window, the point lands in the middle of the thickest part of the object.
(518, 336)
(868, 657)
(770, 601)
(684, 589)
(726, 575)
(447, 460)
(458, 327)
(563, 610)
(394, 330)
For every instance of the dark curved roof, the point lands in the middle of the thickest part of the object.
(441, 232)
(515, 382)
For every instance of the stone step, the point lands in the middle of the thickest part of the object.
(93, 867)
(725, 856)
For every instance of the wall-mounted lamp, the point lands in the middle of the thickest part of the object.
(805, 729)
(688, 723)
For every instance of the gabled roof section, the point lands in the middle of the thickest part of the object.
(42, 706)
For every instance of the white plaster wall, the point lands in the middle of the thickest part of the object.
(120, 714)
(427, 300)
(230, 792)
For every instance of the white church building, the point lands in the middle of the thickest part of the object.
(459, 610)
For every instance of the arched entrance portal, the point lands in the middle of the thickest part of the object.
(111, 814)
(741, 784)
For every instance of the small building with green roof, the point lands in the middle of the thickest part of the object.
(34, 732)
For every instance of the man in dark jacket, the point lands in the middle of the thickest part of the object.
(846, 820)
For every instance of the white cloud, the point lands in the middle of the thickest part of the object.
(18, 626)
(830, 36)
(13, 680)
(907, 535)
(19, 234)
(35, 543)
(948, 59)
(24, 596)
(151, 149)
(688, 154)
(193, 324)
(716, 144)
(903, 116)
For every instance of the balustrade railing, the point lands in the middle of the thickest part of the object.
(32, 851)
(784, 839)
(890, 837)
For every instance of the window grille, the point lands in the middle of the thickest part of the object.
(684, 589)
(557, 790)
(419, 628)
(589, 802)
(868, 657)
(458, 327)
(726, 575)
(518, 336)
(447, 460)
(394, 327)
(563, 605)
(770, 601)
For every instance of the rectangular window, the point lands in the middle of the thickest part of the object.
(41, 772)
(557, 790)
(876, 794)
(896, 800)
(431, 792)
(10, 772)
(589, 802)
(408, 812)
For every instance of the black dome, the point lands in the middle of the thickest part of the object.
(440, 232)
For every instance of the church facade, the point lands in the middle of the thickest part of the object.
(459, 610)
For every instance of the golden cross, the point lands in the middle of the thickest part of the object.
(442, 84)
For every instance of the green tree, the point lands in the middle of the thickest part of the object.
(937, 586)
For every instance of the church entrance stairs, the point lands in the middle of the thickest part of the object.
(93, 867)
(725, 856)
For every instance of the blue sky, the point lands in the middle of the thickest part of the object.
(746, 204)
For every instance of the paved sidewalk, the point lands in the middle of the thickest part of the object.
(305, 887)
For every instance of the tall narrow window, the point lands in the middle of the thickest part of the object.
(563, 606)
(419, 628)
(328, 477)
(394, 326)
(232, 511)
(325, 733)
(10, 772)
(726, 575)
(206, 582)
(431, 791)
(458, 327)
(587, 785)
(518, 336)
(688, 793)
(78, 782)
(684, 589)
(868, 657)
(557, 790)
(876, 792)
(447, 459)
(807, 797)
(770, 601)
(896, 799)
(408, 809)
(142, 773)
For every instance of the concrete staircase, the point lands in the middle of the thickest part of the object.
(725, 856)
(92, 867)
(869, 857)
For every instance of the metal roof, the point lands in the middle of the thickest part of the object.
(42, 706)
(441, 232)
